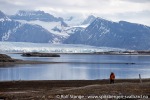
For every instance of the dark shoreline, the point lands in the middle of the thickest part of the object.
(49, 89)
(42, 62)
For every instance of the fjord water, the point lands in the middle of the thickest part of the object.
(78, 67)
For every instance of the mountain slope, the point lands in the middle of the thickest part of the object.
(53, 24)
(35, 15)
(11, 30)
(89, 20)
(111, 34)
(31, 33)
(40, 27)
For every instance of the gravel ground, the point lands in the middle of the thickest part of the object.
(76, 90)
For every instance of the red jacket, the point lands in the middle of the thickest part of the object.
(112, 76)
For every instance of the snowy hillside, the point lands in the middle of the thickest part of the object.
(16, 31)
(74, 20)
(46, 47)
(41, 27)
(56, 26)
(3, 17)
(35, 15)
(89, 20)
(106, 33)
(80, 21)
(50, 26)
(34, 26)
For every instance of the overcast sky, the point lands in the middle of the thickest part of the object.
(137, 11)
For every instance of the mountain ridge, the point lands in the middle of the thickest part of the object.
(35, 15)
(100, 32)
(11, 30)
(106, 33)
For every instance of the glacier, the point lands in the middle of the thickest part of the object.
(56, 28)
(48, 26)
(18, 47)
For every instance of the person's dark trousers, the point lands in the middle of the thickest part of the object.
(112, 82)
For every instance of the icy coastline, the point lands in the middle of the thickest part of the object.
(16, 47)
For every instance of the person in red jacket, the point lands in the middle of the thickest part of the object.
(112, 78)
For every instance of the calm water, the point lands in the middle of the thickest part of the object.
(78, 71)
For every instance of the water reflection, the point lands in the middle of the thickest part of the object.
(71, 72)
(42, 72)
(75, 71)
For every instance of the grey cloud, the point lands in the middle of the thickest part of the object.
(137, 1)
(141, 17)
(111, 9)
(136, 15)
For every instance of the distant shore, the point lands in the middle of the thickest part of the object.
(61, 89)
(12, 61)
(42, 62)
(7, 60)
(23, 62)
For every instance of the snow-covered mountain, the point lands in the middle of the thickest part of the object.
(77, 23)
(41, 27)
(35, 15)
(11, 30)
(54, 25)
(89, 20)
(56, 28)
(73, 20)
(80, 21)
(3, 17)
(106, 33)
(26, 25)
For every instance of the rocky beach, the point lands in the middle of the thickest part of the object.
(123, 89)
